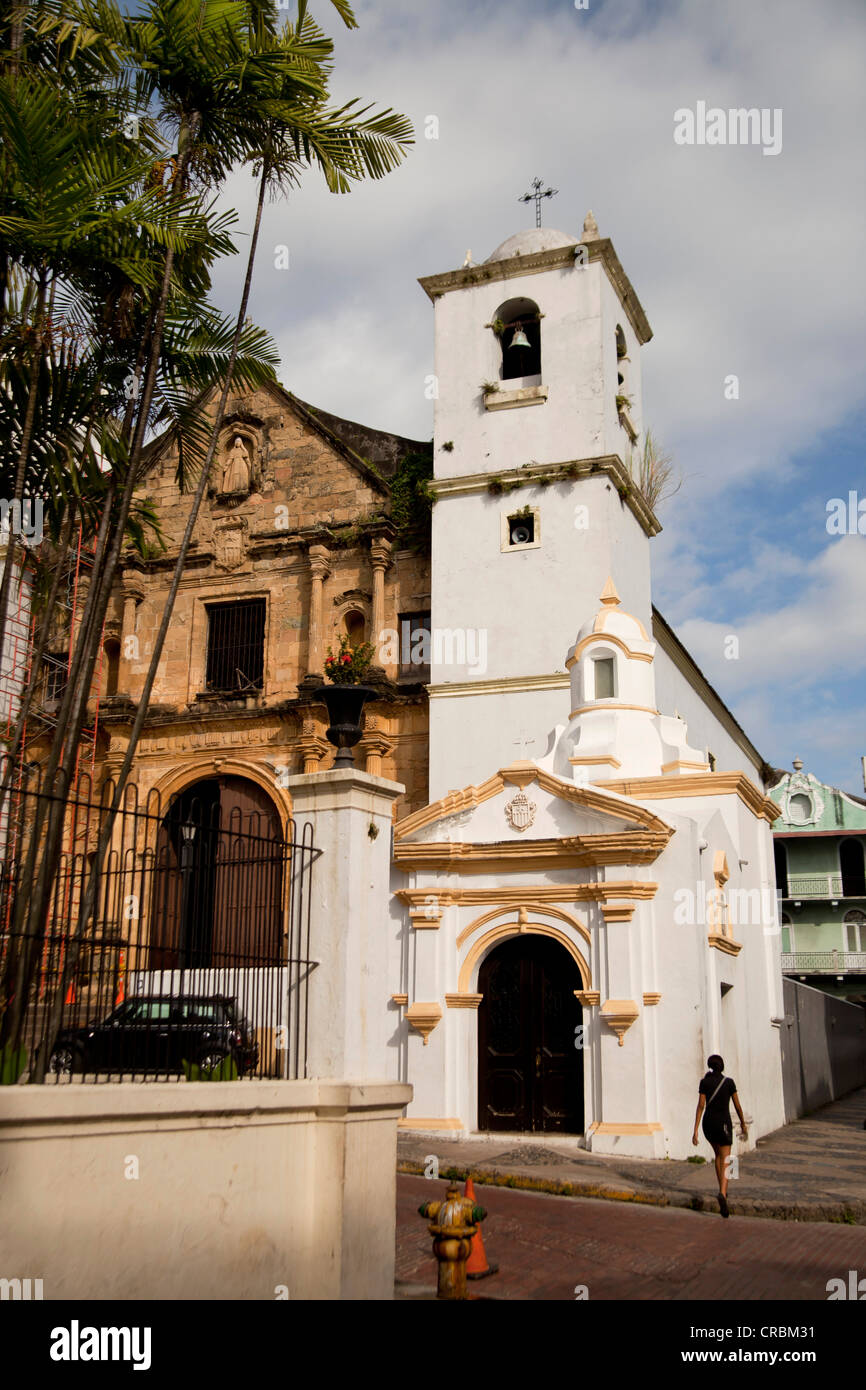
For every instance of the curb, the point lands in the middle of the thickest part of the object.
(850, 1213)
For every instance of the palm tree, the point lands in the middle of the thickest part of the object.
(231, 88)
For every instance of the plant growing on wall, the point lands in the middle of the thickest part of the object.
(657, 476)
(412, 501)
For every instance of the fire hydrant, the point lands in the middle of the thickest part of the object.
(453, 1223)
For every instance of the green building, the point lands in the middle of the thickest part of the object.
(820, 848)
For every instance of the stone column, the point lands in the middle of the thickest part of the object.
(374, 746)
(311, 746)
(349, 1021)
(319, 569)
(380, 561)
(133, 594)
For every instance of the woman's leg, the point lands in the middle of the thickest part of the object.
(722, 1167)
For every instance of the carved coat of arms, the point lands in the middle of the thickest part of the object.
(520, 812)
(229, 546)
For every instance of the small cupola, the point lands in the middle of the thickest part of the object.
(611, 661)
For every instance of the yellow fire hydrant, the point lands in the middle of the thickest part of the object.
(453, 1223)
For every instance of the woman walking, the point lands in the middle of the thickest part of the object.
(715, 1094)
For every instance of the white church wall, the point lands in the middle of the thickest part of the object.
(522, 610)
(674, 691)
(532, 602)
(613, 316)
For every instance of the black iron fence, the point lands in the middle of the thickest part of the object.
(194, 958)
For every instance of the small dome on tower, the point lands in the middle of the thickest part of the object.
(609, 620)
(531, 242)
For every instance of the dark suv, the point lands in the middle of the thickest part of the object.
(155, 1033)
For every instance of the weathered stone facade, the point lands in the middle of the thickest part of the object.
(304, 523)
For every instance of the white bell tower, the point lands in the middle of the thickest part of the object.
(537, 426)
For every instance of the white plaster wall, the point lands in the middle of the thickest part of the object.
(612, 316)
(533, 602)
(241, 1187)
(673, 691)
(529, 604)
(348, 1026)
(691, 973)
(473, 736)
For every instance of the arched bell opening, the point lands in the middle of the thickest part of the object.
(518, 324)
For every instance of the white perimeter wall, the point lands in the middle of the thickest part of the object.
(241, 1187)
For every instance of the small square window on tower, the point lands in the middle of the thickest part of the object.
(521, 530)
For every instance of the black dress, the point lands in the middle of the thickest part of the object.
(716, 1123)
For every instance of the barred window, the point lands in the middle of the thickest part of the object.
(55, 677)
(415, 646)
(236, 646)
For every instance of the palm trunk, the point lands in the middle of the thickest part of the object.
(89, 897)
(60, 771)
(24, 448)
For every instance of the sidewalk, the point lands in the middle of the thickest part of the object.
(812, 1170)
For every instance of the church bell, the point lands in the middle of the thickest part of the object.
(520, 339)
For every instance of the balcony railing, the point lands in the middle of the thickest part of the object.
(814, 886)
(824, 962)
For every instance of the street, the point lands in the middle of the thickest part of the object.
(546, 1246)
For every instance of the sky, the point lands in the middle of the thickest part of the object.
(747, 264)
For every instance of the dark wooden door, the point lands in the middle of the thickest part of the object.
(219, 879)
(530, 1073)
(249, 876)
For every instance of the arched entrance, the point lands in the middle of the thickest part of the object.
(530, 1070)
(219, 878)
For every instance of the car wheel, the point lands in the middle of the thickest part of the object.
(212, 1058)
(65, 1060)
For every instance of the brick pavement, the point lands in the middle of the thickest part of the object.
(811, 1170)
(546, 1245)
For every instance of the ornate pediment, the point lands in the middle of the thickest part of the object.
(573, 825)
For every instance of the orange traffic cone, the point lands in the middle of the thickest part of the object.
(477, 1266)
(70, 994)
(121, 980)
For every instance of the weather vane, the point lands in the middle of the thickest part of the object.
(537, 197)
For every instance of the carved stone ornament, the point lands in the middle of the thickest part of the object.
(236, 473)
(230, 546)
(520, 812)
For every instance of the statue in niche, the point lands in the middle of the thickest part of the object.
(236, 474)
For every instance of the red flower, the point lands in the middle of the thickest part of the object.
(346, 656)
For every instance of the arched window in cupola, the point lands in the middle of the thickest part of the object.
(517, 324)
